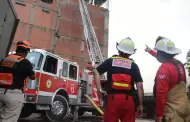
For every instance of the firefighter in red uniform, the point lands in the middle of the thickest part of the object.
(172, 103)
(122, 74)
(13, 71)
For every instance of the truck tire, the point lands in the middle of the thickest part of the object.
(58, 110)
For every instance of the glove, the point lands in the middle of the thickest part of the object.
(147, 49)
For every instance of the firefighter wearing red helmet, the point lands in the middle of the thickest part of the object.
(122, 74)
(172, 103)
(14, 69)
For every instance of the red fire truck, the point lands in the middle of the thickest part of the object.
(58, 87)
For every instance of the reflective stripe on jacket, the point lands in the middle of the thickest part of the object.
(121, 81)
(6, 69)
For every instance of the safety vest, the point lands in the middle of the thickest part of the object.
(121, 81)
(7, 65)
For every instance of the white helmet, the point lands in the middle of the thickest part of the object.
(126, 46)
(166, 46)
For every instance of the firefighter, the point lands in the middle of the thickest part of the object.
(122, 74)
(170, 85)
(14, 69)
(154, 54)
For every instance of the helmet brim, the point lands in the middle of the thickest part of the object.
(176, 51)
(125, 51)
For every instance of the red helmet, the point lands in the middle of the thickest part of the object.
(24, 44)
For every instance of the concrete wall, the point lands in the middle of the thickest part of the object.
(58, 27)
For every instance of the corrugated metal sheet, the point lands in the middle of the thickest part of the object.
(39, 23)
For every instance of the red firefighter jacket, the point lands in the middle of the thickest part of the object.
(165, 81)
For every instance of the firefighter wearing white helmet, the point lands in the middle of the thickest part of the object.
(167, 46)
(122, 74)
(170, 85)
(126, 46)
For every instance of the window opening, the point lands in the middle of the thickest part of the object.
(72, 72)
(47, 1)
(36, 59)
(50, 65)
(65, 69)
(20, 2)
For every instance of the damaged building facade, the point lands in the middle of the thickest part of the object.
(57, 27)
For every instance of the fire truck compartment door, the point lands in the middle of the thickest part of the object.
(89, 84)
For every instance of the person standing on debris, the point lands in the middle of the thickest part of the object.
(122, 74)
(170, 85)
(14, 69)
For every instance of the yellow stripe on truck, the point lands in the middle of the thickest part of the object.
(120, 84)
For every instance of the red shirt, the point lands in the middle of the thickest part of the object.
(166, 79)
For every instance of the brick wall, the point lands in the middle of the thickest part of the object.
(40, 22)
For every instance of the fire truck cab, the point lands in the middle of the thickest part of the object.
(57, 87)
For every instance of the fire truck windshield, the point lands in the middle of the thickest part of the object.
(36, 59)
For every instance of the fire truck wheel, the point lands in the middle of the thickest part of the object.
(59, 109)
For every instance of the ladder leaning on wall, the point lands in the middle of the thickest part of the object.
(93, 47)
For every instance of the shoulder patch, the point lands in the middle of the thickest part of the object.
(121, 63)
(161, 76)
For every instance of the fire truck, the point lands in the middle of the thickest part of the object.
(57, 87)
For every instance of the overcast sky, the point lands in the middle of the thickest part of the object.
(143, 21)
